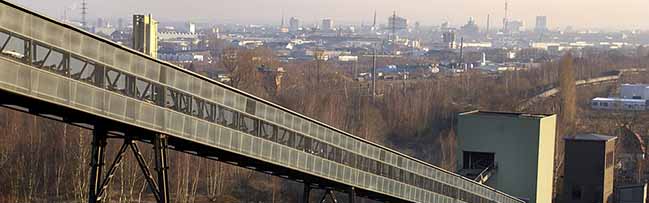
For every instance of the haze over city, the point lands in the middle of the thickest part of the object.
(594, 14)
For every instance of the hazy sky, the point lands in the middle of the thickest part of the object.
(607, 14)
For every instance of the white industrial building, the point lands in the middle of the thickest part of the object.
(634, 91)
(619, 104)
(346, 58)
(172, 35)
(633, 97)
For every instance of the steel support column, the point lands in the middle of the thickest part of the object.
(332, 196)
(328, 193)
(306, 194)
(113, 168)
(160, 148)
(145, 170)
(99, 135)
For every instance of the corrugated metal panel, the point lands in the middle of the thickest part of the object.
(123, 62)
(75, 42)
(11, 77)
(14, 19)
(107, 56)
(90, 48)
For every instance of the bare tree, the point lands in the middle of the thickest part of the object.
(567, 114)
(568, 93)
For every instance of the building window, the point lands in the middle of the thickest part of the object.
(576, 193)
(478, 160)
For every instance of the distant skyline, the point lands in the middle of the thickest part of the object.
(595, 14)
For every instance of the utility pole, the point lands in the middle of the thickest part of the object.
(355, 69)
(374, 73)
(65, 14)
(461, 51)
(394, 33)
(84, 12)
(394, 26)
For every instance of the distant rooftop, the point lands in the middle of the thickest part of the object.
(506, 114)
(632, 186)
(617, 99)
(636, 85)
(590, 137)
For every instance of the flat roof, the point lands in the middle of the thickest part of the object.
(632, 186)
(591, 137)
(636, 85)
(505, 114)
(618, 99)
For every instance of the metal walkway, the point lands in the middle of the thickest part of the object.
(56, 70)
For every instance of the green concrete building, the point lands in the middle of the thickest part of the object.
(511, 152)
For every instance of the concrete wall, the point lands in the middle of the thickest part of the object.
(584, 163)
(609, 172)
(545, 175)
(523, 147)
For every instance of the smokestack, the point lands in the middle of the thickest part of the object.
(505, 20)
(488, 21)
(484, 59)
(461, 49)
(394, 26)
(374, 24)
